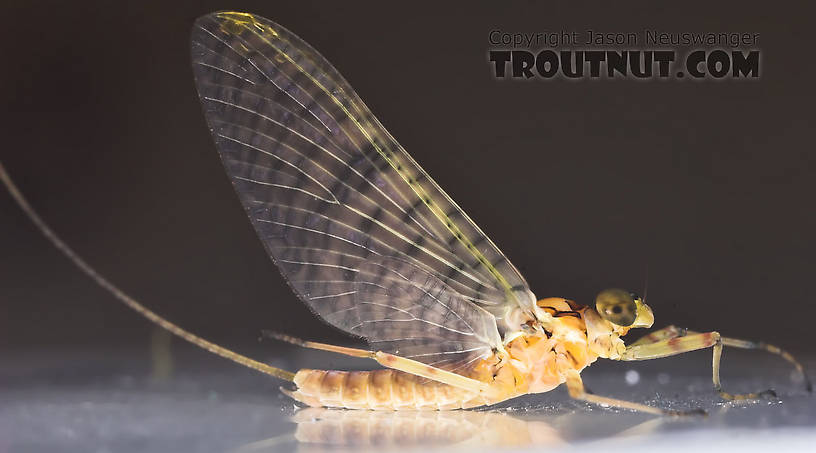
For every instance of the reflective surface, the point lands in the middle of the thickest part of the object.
(114, 401)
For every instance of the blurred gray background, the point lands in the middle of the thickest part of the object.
(583, 184)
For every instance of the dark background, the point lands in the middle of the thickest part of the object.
(581, 183)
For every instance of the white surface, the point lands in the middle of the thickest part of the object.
(107, 403)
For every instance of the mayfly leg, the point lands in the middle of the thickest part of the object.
(745, 344)
(673, 341)
(391, 361)
(665, 333)
(575, 387)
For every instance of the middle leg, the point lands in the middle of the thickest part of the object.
(576, 389)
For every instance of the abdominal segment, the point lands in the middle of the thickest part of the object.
(378, 390)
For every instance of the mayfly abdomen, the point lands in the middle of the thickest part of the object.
(378, 390)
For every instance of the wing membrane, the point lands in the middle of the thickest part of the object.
(335, 199)
(412, 313)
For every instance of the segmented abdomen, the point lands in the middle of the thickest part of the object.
(378, 390)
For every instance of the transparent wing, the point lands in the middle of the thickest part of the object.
(412, 313)
(328, 190)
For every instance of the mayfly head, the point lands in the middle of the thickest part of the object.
(623, 308)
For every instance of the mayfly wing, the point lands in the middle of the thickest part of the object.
(328, 190)
(410, 312)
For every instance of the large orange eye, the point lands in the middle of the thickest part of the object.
(617, 306)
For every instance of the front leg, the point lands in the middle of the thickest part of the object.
(692, 341)
(665, 333)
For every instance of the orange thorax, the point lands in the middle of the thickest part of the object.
(539, 361)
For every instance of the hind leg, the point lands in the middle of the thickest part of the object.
(392, 361)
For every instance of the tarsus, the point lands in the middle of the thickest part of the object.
(127, 300)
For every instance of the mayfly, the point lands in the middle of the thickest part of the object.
(375, 248)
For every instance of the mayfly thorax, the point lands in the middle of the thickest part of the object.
(374, 247)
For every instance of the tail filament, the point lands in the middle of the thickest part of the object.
(126, 299)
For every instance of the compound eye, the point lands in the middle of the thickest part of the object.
(617, 306)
